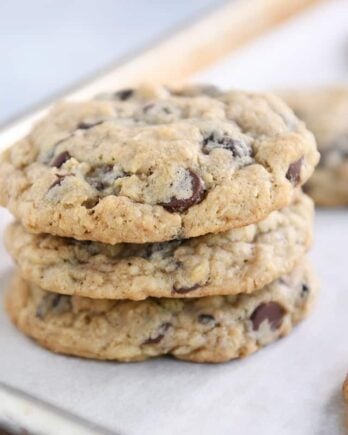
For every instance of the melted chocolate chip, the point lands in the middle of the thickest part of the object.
(306, 188)
(58, 181)
(99, 185)
(184, 290)
(49, 155)
(238, 148)
(85, 125)
(304, 290)
(176, 205)
(294, 172)
(270, 311)
(59, 160)
(124, 94)
(160, 334)
(90, 202)
(101, 177)
(206, 319)
(53, 302)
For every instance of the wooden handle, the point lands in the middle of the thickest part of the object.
(184, 53)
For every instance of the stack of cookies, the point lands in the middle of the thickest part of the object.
(153, 221)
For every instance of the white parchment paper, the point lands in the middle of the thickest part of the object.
(290, 387)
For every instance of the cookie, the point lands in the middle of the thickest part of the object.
(237, 261)
(345, 389)
(325, 112)
(150, 165)
(212, 329)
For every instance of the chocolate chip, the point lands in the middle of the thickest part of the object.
(90, 202)
(238, 148)
(294, 171)
(184, 290)
(57, 182)
(53, 302)
(99, 185)
(176, 205)
(124, 94)
(59, 160)
(206, 319)
(304, 290)
(49, 154)
(270, 311)
(160, 334)
(306, 188)
(102, 177)
(86, 125)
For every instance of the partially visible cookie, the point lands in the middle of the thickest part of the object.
(345, 389)
(151, 165)
(325, 111)
(238, 261)
(213, 329)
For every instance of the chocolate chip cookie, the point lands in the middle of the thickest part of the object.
(151, 165)
(237, 261)
(345, 389)
(325, 112)
(212, 329)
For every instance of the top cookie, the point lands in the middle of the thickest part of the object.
(325, 111)
(152, 165)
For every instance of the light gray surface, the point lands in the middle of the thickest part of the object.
(47, 45)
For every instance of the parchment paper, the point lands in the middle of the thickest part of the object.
(290, 387)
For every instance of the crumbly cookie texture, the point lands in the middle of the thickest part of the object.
(239, 261)
(151, 165)
(325, 112)
(213, 329)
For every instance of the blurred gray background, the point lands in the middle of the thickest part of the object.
(47, 45)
